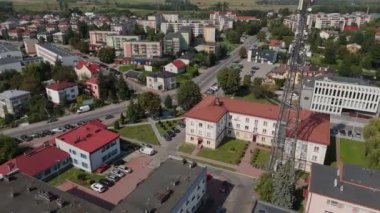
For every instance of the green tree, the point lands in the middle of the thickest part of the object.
(37, 108)
(149, 102)
(8, 148)
(64, 73)
(229, 80)
(330, 52)
(192, 70)
(138, 30)
(132, 113)
(264, 187)
(257, 82)
(261, 36)
(375, 51)
(168, 102)
(342, 40)
(123, 92)
(371, 135)
(122, 118)
(107, 55)
(211, 60)
(247, 81)
(284, 186)
(243, 52)
(188, 95)
(233, 36)
(116, 125)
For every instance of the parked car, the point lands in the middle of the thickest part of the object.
(342, 131)
(48, 132)
(255, 68)
(58, 130)
(182, 124)
(117, 172)
(68, 126)
(210, 92)
(349, 133)
(224, 187)
(147, 150)
(358, 135)
(102, 168)
(98, 187)
(171, 133)
(147, 145)
(109, 116)
(124, 169)
(112, 177)
(26, 138)
(167, 137)
(51, 120)
(176, 130)
(208, 177)
(106, 182)
(17, 141)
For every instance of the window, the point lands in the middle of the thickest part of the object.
(229, 124)
(74, 152)
(237, 125)
(314, 158)
(83, 156)
(229, 132)
(193, 198)
(208, 142)
(230, 116)
(192, 123)
(208, 134)
(262, 138)
(264, 131)
(272, 132)
(191, 130)
(75, 161)
(316, 149)
(209, 126)
(256, 121)
(191, 138)
(247, 120)
(200, 124)
(265, 123)
(85, 165)
(246, 127)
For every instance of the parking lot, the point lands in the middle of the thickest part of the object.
(263, 70)
(348, 132)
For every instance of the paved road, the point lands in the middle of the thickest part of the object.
(114, 109)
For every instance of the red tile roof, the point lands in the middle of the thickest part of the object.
(35, 161)
(89, 137)
(179, 64)
(60, 86)
(93, 67)
(351, 27)
(315, 126)
(246, 18)
(274, 42)
(93, 80)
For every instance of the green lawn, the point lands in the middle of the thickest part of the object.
(166, 125)
(230, 151)
(125, 68)
(77, 176)
(186, 148)
(143, 133)
(230, 46)
(246, 95)
(352, 152)
(260, 158)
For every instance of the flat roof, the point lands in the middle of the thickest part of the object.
(360, 185)
(9, 60)
(309, 82)
(7, 47)
(14, 93)
(145, 196)
(55, 49)
(37, 199)
(264, 207)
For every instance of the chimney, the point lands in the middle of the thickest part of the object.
(218, 102)
(335, 182)
(341, 188)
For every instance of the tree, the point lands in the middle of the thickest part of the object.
(371, 135)
(342, 40)
(37, 108)
(247, 81)
(122, 118)
(64, 73)
(116, 125)
(188, 95)
(330, 52)
(211, 59)
(123, 92)
(284, 186)
(149, 102)
(257, 82)
(229, 80)
(375, 52)
(233, 36)
(168, 102)
(261, 36)
(243, 52)
(132, 113)
(107, 55)
(138, 30)
(192, 70)
(8, 148)
(264, 187)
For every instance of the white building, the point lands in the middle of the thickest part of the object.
(336, 95)
(161, 81)
(13, 102)
(51, 53)
(215, 118)
(89, 145)
(177, 66)
(117, 41)
(61, 92)
(86, 69)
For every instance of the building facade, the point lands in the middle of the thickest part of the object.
(30, 47)
(161, 81)
(92, 87)
(177, 42)
(51, 53)
(10, 63)
(13, 102)
(117, 41)
(258, 55)
(86, 69)
(100, 37)
(142, 49)
(177, 66)
(213, 119)
(58, 93)
(209, 34)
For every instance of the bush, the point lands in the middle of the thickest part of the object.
(82, 176)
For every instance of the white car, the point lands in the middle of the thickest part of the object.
(57, 130)
(118, 172)
(98, 187)
(147, 150)
(124, 169)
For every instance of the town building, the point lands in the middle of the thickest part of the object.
(116, 42)
(338, 95)
(276, 45)
(10, 63)
(177, 66)
(31, 60)
(92, 87)
(14, 102)
(142, 49)
(59, 37)
(213, 119)
(89, 145)
(30, 47)
(265, 207)
(209, 33)
(9, 50)
(175, 186)
(51, 53)
(99, 38)
(259, 55)
(161, 81)
(42, 162)
(23, 193)
(326, 34)
(176, 42)
(339, 21)
(61, 92)
(86, 69)
(134, 75)
(207, 47)
(350, 188)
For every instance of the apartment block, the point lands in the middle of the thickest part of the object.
(51, 53)
(177, 42)
(99, 38)
(9, 50)
(142, 49)
(14, 102)
(117, 42)
(60, 92)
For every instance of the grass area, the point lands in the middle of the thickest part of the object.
(246, 95)
(165, 126)
(230, 151)
(186, 148)
(211, 164)
(77, 176)
(125, 68)
(352, 152)
(230, 46)
(260, 158)
(143, 133)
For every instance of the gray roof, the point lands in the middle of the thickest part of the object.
(9, 60)
(7, 47)
(264, 207)
(172, 35)
(267, 54)
(145, 195)
(9, 94)
(309, 82)
(25, 201)
(55, 49)
(360, 186)
(162, 74)
(133, 74)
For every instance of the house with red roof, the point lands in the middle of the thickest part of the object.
(213, 119)
(62, 91)
(246, 18)
(177, 66)
(89, 145)
(85, 69)
(92, 87)
(42, 162)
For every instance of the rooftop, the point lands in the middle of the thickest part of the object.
(60, 85)
(7, 47)
(55, 49)
(93, 80)
(315, 126)
(35, 161)
(147, 195)
(264, 207)
(89, 137)
(162, 74)
(133, 74)
(179, 64)
(92, 67)
(9, 60)
(309, 82)
(9, 94)
(30, 194)
(356, 185)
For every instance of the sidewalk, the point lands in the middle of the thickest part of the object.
(339, 162)
(210, 161)
(245, 166)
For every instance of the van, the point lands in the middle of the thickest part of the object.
(147, 150)
(84, 108)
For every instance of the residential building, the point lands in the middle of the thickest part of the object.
(134, 75)
(177, 42)
(51, 53)
(338, 95)
(9, 50)
(207, 47)
(161, 81)
(276, 45)
(92, 87)
(339, 21)
(350, 188)
(31, 60)
(173, 187)
(258, 55)
(209, 34)
(246, 18)
(44, 36)
(42, 162)
(86, 69)
(177, 66)
(117, 41)
(142, 49)
(13, 102)
(89, 145)
(99, 38)
(10, 63)
(59, 37)
(326, 34)
(213, 118)
(30, 47)
(23, 193)
(60, 92)
(264, 207)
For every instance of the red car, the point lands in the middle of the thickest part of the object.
(102, 168)
(209, 176)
